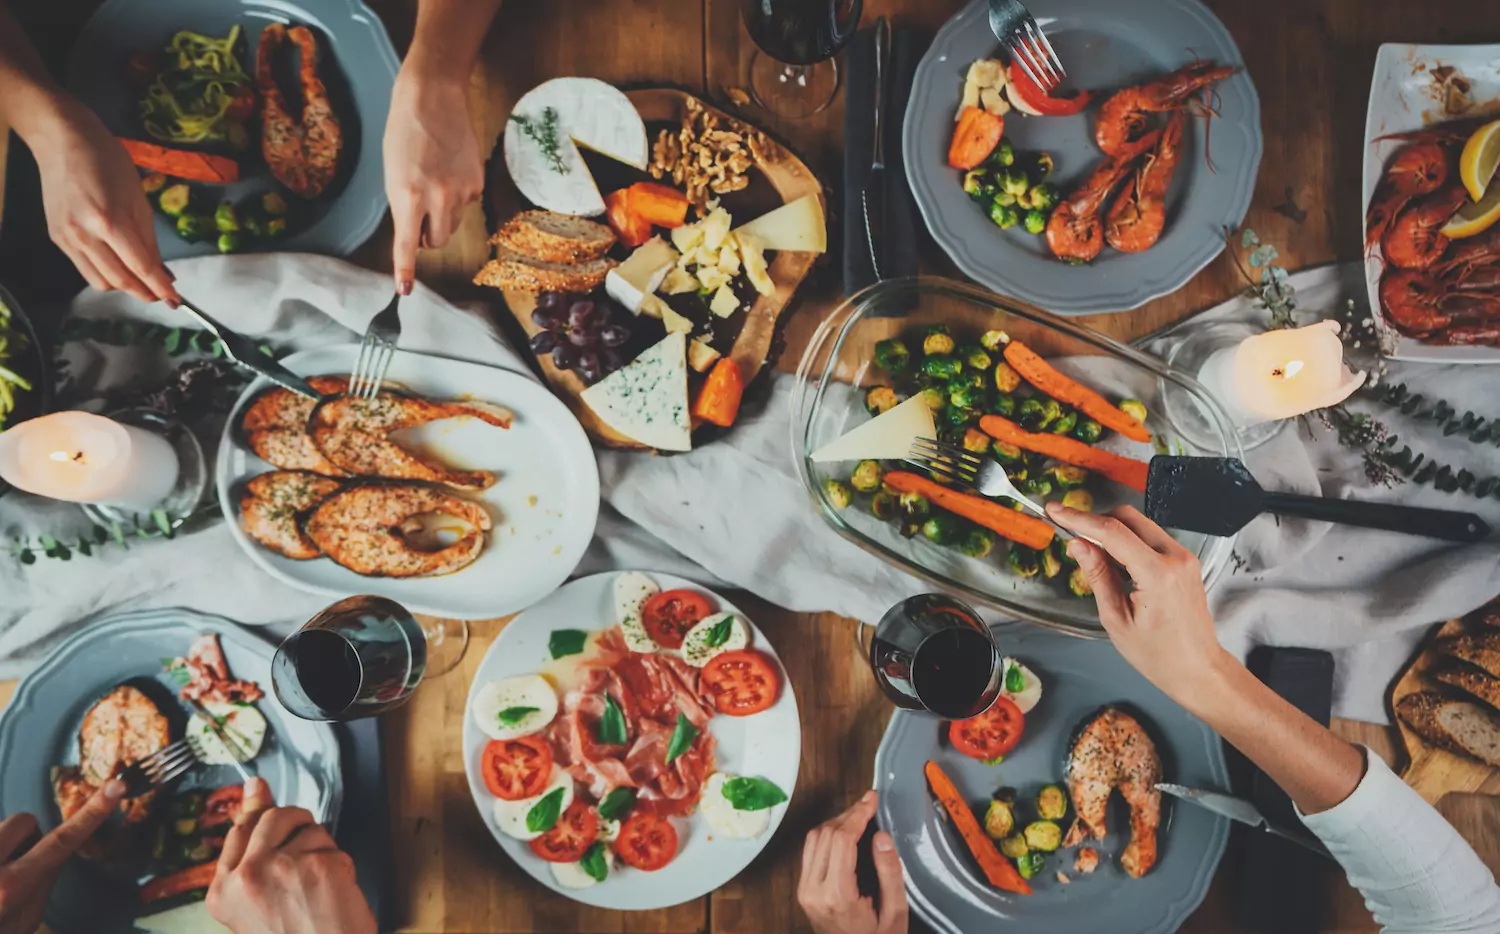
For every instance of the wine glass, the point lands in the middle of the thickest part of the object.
(933, 653)
(793, 74)
(361, 657)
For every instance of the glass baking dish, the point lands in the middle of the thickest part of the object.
(828, 400)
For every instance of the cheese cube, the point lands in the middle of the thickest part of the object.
(725, 302)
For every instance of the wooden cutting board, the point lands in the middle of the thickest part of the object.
(1435, 772)
(787, 176)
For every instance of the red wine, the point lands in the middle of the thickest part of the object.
(358, 658)
(933, 653)
(801, 32)
(327, 669)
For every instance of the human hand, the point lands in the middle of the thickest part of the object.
(281, 873)
(26, 881)
(432, 164)
(828, 890)
(96, 211)
(1163, 626)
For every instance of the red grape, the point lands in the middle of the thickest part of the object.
(544, 318)
(614, 335)
(563, 357)
(580, 314)
(543, 342)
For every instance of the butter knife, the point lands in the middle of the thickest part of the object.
(1238, 809)
(248, 354)
(218, 730)
(872, 198)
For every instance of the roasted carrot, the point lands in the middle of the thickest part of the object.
(180, 163)
(1002, 520)
(632, 229)
(659, 204)
(185, 880)
(997, 868)
(976, 136)
(1045, 376)
(1128, 471)
(719, 399)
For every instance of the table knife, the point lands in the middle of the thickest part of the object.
(248, 354)
(1238, 809)
(218, 730)
(872, 198)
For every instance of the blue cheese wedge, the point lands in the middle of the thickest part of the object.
(514, 707)
(510, 816)
(699, 645)
(647, 399)
(588, 113)
(632, 590)
(243, 724)
(1031, 691)
(726, 820)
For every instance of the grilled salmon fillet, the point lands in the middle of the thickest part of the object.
(275, 427)
(354, 434)
(274, 504)
(367, 530)
(1113, 751)
(125, 726)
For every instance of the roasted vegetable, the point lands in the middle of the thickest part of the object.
(892, 355)
(866, 476)
(1037, 487)
(1065, 424)
(943, 529)
(993, 340)
(153, 182)
(1014, 180)
(1059, 549)
(1044, 197)
(976, 441)
(194, 227)
(937, 400)
(1051, 804)
(1041, 166)
(1135, 408)
(977, 185)
(966, 398)
(880, 399)
(273, 203)
(1029, 414)
(1003, 199)
(174, 200)
(1023, 200)
(1068, 477)
(1031, 865)
(1043, 835)
(1024, 561)
(838, 493)
(1004, 154)
(1051, 412)
(275, 227)
(230, 242)
(1088, 431)
(1007, 454)
(937, 341)
(975, 357)
(942, 366)
(959, 419)
(1081, 500)
(967, 379)
(1014, 846)
(1035, 220)
(1006, 378)
(1051, 564)
(914, 505)
(1005, 216)
(254, 221)
(999, 821)
(1078, 584)
(1003, 405)
(977, 543)
(883, 506)
(226, 219)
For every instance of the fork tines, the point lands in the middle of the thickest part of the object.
(1031, 49)
(159, 768)
(946, 459)
(375, 355)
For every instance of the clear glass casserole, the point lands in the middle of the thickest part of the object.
(828, 401)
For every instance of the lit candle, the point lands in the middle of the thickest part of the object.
(84, 458)
(1280, 374)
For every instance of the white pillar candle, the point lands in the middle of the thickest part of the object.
(84, 458)
(1280, 374)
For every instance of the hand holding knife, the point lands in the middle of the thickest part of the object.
(248, 354)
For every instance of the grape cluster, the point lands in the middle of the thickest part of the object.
(578, 332)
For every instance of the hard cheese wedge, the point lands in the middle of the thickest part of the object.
(886, 437)
(641, 274)
(590, 114)
(647, 399)
(796, 226)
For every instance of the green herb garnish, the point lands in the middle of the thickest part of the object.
(612, 725)
(617, 804)
(544, 133)
(510, 716)
(720, 632)
(682, 738)
(752, 794)
(564, 642)
(544, 814)
(1015, 681)
(594, 863)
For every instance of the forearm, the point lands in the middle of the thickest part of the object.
(448, 36)
(30, 101)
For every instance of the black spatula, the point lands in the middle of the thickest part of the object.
(1217, 496)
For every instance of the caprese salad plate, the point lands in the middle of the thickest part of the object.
(632, 741)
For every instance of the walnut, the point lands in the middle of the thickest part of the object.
(708, 154)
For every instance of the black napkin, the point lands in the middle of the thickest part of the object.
(899, 249)
(364, 827)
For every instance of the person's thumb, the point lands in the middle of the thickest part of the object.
(257, 799)
(893, 911)
(1109, 589)
(56, 847)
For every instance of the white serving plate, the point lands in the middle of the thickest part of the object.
(1402, 98)
(768, 745)
(544, 506)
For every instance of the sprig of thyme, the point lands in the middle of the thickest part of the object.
(544, 133)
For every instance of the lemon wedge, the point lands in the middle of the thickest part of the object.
(1480, 158)
(1474, 218)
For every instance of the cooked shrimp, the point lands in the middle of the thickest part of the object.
(1414, 240)
(302, 154)
(355, 435)
(1418, 169)
(368, 530)
(1420, 304)
(1075, 232)
(1125, 115)
(1113, 751)
(1137, 217)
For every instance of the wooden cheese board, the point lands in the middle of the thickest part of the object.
(779, 177)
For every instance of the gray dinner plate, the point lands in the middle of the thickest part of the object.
(1079, 677)
(1104, 44)
(358, 64)
(39, 729)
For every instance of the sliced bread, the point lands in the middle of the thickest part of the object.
(1475, 681)
(1458, 726)
(518, 272)
(1482, 651)
(556, 238)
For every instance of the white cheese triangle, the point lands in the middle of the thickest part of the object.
(887, 436)
(591, 114)
(647, 399)
(797, 226)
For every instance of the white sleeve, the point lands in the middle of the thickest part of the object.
(1418, 876)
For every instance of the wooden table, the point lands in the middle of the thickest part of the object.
(1311, 61)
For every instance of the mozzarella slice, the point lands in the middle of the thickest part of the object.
(723, 818)
(510, 816)
(1028, 696)
(497, 697)
(632, 590)
(572, 876)
(695, 648)
(609, 830)
(245, 726)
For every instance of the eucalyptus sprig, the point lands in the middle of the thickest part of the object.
(1476, 428)
(155, 524)
(125, 332)
(1272, 288)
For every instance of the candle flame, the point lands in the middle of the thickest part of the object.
(63, 457)
(1288, 370)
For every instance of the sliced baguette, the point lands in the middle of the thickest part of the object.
(1459, 726)
(556, 238)
(517, 272)
(1482, 651)
(1475, 681)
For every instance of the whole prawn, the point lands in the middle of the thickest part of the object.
(1414, 239)
(1075, 232)
(1422, 305)
(1136, 218)
(1418, 169)
(1125, 115)
(303, 155)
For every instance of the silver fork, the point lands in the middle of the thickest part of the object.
(981, 474)
(1014, 26)
(376, 351)
(165, 765)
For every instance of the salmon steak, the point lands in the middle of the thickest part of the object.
(302, 151)
(372, 530)
(274, 505)
(355, 435)
(275, 427)
(1113, 751)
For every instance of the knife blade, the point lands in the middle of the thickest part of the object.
(872, 198)
(218, 730)
(248, 354)
(1238, 809)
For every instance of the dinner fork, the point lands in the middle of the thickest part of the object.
(981, 474)
(376, 351)
(1014, 26)
(165, 765)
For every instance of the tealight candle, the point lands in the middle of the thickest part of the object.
(1280, 374)
(82, 458)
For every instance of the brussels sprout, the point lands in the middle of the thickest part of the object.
(1068, 477)
(1088, 431)
(1002, 199)
(1024, 561)
(838, 494)
(1135, 408)
(1018, 475)
(1023, 201)
(936, 399)
(1081, 500)
(1007, 454)
(975, 357)
(1029, 414)
(994, 340)
(1014, 846)
(1041, 166)
(1043, 835)
(892, 355)
(1031, 865)
(273, 203)
(226, 220)
(275, 227)
(1006, 378)
(1037, 487)
(958, 417)
(254, 221)
(1051, 803)
(937, 341)
(883, 506)
(1004, 405)
(230, 242)
(1003, 154)
(910, 528)
(968, 379)
(943, 529)
(1051, 566)
(914, 505)
(974, 181)
(998, 820)
(174, 200)
(1035, 221)
(1059, 550)
(866, 476)
(966, 398)
(880, 399)
(977, 543)
(942, 366)
(1014, 181)
(194, 227)
(153, 183)
(1044, 197)
(1051, 412)
(1004, 215)
(1078, 584)
(976, 441)
(1065, 423)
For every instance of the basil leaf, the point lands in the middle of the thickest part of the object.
(995, 761)
(612, 724)
(510, 716)
(594, 863)
(720, 632)
(544, 814)
(617, 804)
(752, 794)
(1015, 682)
(682, 738)
(565, 642)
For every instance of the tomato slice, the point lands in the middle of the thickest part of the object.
(570, 837)
(741, 683)
(1045, 104)
(516, 768)
(993, 733)
(670, 614)
(647, 840)
(222, 806)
